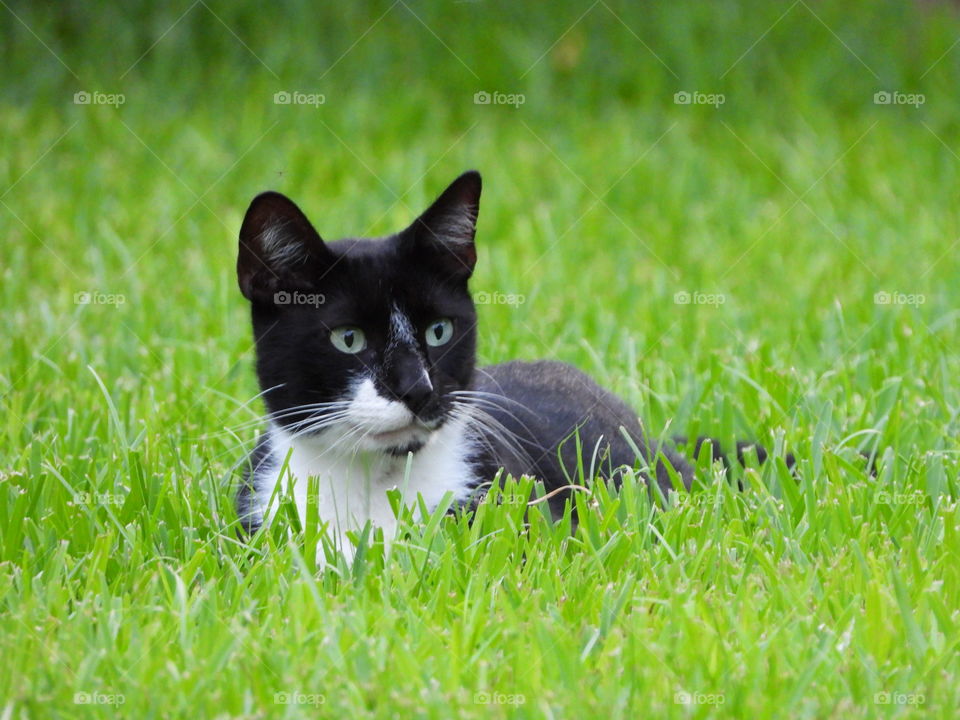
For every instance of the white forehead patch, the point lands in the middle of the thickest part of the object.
(403, 334)
(401, 329)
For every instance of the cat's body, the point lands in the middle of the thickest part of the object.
(366, 357)
(530, 410)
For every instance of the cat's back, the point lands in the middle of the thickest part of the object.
(548, 408)
(554, 391)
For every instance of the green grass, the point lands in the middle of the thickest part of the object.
(797, 200)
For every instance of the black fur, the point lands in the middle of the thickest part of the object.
(550, 408)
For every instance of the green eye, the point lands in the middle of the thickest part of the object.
(439, 332)
(350, 340)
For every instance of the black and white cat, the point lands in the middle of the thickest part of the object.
(366, 358)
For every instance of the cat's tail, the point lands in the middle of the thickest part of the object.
(743, 447)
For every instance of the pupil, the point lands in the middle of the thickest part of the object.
(438, 331)
(348, 338)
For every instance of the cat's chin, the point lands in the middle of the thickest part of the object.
(398, 442)
(402, 451)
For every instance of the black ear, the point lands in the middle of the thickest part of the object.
(444, 234)
(279, 249)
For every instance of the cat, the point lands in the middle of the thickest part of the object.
(366, 358)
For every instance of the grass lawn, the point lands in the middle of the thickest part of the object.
(772, 255)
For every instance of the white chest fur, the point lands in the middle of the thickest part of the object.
(353, 484)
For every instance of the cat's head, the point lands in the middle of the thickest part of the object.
(362, 338)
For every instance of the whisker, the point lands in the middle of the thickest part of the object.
(493, 401)
(486, 423)
(309, 427)
(478, 406)
(291, 411)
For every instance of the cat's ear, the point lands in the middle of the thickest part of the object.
(279, 249)
(445, 232)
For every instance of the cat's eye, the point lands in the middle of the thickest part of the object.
(439, 332)
(348, 339)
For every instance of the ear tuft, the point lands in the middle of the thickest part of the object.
(445, 232)
(279, 249)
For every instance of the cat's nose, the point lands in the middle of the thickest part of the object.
(418, 397)
(418, 394)
(413, 388)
